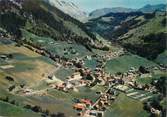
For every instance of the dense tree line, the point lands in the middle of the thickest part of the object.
(42, 22)
(152, 46)
(44, 113)
(12, 23)
(34, 108)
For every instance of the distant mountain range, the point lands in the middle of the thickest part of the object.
(146, 9)
(69, 8)
(151, 8)
(50, 18)
(104, 11)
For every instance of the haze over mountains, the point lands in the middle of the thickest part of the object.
(74, 11)
(146, 9)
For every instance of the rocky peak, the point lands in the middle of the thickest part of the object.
(69, 8)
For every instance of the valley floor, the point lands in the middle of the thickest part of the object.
(106, 83)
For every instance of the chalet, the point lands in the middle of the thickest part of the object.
(68, 64)
(3, 56)
(83, 82)
(112, 97)
(6, 66)
(69, 85)
(79, 106)
(86, 101)
(27, 91)
(131, 84)
(101, 103)
(60, 87)
(146, 75)
(156, 112)
(76, 75)
(88, 57)
(95, 113)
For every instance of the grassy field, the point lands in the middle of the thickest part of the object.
(11, 48)
(61, 48)
(91, 63)
(153, 26)
(14, 111)
(85, 92)
(125, 106)
(124, 63)
(155, 75)
(26, 63)
(63, 73)
(23, 72)
(29, 69)
(162, 58)
(58, 101)
(55, 101)
(63, 102)
(5, 41)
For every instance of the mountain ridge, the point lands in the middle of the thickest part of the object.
(69, 8)
(141, 33)
(145, 9)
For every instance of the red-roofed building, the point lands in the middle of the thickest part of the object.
(79, 106)
(86, 101)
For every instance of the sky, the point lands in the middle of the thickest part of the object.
(90, 5)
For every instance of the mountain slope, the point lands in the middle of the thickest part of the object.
(143, 34)
(149, 39)
(146, 9)
(104, 11)
(109, 25)
(69, 8)
(42, 19)
(151, 8)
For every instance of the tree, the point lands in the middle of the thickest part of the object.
(59, 114)
(36, 109)
(9, 78)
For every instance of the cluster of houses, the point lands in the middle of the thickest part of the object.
(129, 79)
(84, 107)
(105, 100)
(111, 55)
(82, 104)
(156, 112)
(85, 77)
(87, 108)
(71, 83)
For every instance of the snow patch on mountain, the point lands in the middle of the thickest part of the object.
(69, 8)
